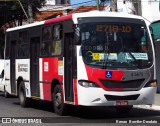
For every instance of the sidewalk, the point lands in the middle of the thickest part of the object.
(155, 106)
(157, 99)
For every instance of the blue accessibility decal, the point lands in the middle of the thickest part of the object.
(109, 74)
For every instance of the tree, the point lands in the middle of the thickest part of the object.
(30, 5)
(11, 11)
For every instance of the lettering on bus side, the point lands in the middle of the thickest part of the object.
(22, 67)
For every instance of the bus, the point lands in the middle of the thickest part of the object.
(84, 59)
(156, 31)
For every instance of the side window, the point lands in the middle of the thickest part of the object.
(47, 33)
(57, 32)
(23, 45)
(51, 41)
(46, 40)
(56, 45)
(7, 48)
(23, 37)
(1, 55)
(45, 51)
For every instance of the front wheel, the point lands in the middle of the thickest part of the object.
(24, 101)
(58, 101)
(124, 109)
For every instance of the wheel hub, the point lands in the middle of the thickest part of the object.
(58, 100)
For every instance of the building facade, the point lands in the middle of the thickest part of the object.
(57, 2)
(51, 5)
(149, 9)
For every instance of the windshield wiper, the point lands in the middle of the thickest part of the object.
(134, 61)
(106, 51)
(132, 56)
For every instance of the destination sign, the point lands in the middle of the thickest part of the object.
(113, 28)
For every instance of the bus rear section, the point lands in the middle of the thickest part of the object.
(87, 59)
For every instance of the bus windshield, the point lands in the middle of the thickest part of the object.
(116, 45)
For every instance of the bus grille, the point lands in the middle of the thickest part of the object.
(126, 85)
(115, 98)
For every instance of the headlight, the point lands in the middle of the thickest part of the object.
(86, 83)
(151, 84)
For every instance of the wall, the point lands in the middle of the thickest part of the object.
(150, 10)
(125, 7)
(50, 2)
(58, 2)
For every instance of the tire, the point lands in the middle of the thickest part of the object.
(23, 100)
(58, 101)
(6, 94)
(123, 110)
(34, 103)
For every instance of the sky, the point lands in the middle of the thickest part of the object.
(78, 1)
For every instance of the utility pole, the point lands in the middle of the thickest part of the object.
(97, 3)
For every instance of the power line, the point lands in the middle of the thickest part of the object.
(92, 2)
(83, 3)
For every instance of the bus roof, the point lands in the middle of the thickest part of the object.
(75, 16)
(104, 14)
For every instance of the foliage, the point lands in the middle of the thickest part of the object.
(11, 11)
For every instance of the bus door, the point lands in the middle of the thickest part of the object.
(34, 68)
(68, 67)
(12, 65)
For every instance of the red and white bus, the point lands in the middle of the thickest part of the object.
(87, 59)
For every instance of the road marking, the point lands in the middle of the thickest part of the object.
(149, 107)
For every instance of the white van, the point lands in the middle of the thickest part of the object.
(2, 79)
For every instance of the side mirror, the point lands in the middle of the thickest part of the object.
(77, 36)
(151, 29)
(77, 39)
(153, 38)
(152, 35)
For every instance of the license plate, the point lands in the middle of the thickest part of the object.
(121, 103)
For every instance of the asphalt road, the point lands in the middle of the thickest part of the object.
(10, 108)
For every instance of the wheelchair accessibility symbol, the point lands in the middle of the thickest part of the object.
(109, 74)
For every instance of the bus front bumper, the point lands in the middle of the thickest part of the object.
(99, 97)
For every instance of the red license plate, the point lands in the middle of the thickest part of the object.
(121, 103)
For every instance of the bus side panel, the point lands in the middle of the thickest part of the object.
(22, 70)
(81, 74)
(49, 72)
(7, 76)
(40, 79)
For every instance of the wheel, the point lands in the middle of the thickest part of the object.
(6, 94)
(125, 109)
(58, 101)
(24, 101)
